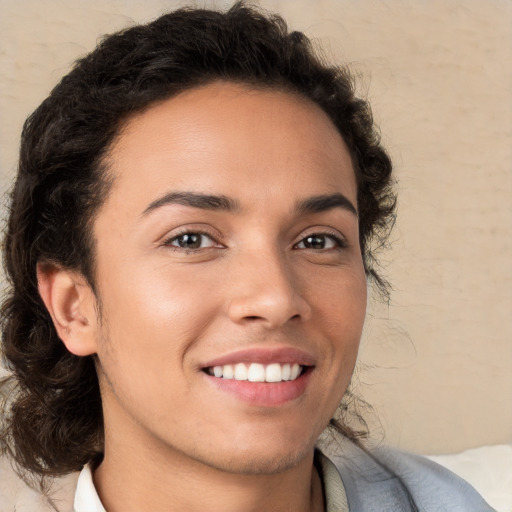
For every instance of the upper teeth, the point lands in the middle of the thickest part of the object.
(256, 372)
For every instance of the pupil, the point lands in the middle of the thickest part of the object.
(190, 241)
(315, 242)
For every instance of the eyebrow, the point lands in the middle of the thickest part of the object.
(318, 204)
(315, 204)
(195, 200)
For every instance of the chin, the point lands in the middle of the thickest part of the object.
(255, 459)
(262, 447)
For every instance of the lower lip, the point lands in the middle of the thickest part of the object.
(263, 394)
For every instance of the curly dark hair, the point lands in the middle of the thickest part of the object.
(52, 413)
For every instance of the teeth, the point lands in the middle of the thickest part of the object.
(256, 372)
(227, 372)
(240, 371)
(273, 373)
(295, 371)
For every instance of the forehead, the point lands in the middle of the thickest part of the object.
(222, 137)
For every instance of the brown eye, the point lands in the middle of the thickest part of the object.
(191, 241)
(320, 242)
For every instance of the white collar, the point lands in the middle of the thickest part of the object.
(86, 497)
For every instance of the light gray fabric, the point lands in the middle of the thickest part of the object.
(334, 490)
(387, 480)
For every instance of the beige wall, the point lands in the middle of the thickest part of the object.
(437, 363)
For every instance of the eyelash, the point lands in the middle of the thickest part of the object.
(168, 241)
(340, 243)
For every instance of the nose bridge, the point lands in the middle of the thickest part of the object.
(266, 289)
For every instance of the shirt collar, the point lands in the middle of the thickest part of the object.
(86, 497)
(334, 490)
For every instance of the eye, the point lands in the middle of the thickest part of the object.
(191, 240)
(321, 241)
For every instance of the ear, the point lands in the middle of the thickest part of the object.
(72, 306)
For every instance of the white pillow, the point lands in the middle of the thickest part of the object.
(488, 469)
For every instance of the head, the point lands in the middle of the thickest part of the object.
(84, 136)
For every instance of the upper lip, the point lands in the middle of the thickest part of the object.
(264, 355)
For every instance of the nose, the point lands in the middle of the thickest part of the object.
(266, 291)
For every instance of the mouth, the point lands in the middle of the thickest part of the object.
(260, 376)
(257, 372)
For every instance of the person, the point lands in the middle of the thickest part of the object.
(189, 244)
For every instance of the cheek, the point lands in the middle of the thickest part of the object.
(342, 304)
(341, 310)
(146, 332)
(157, 302)
(149, 323)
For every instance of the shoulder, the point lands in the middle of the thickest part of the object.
(16, 494)
(432, 485)
(399, 481)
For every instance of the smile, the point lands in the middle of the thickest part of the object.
(257, 372)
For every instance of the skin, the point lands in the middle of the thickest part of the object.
(253, 282)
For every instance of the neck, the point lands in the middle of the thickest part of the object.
(128, 480)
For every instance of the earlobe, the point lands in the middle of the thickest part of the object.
(72, 307)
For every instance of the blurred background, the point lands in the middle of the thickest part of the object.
(436, 363)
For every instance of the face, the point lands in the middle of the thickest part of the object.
(230, 277)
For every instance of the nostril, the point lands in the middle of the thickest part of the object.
(269, 308)
(254, 318)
